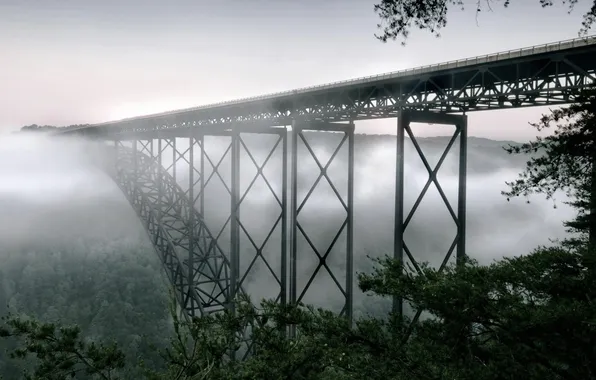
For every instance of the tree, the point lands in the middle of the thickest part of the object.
(564, 161)
(198, 348)
(48, 128)
(37, 128)
(527, 317)
(60, 351)
(398, 17)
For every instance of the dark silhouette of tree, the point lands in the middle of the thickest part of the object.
(37, 128)
(564, 161)
(398, 17)
(529, 317)
(47, 128)
(524, 317)
(61, 352)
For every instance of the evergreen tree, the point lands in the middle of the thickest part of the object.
(528, 317)
(564, 161)
(398, 17)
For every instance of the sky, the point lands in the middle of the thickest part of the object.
(86, 61)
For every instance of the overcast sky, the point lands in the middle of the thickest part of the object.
(86, 61)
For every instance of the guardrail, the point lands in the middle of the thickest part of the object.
(517, 53)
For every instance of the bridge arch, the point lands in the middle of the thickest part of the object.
(195, 264)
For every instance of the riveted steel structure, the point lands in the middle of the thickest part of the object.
(298, 137)
(539, 75)
(207, 273)
(402, 220)
(196, 265)
(206, 276)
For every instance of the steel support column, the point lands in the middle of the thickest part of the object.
(294, 225)
(350, 230)
(297, 229)
(280, 200)
(191, 216)
(160, 187)
(398, 232)
(213, 259)
(240, 270)
(461, 196)
(196, 266)
(235, 215)
(135, 172)
(406, 117)
(238, 229)
(284, 220)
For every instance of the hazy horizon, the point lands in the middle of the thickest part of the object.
(56, 188)
(74, 62)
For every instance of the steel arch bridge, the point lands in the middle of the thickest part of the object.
(206, 274)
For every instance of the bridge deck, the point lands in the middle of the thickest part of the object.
(538, 75)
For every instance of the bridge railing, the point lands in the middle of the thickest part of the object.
(516, 53)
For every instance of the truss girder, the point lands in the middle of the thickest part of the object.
(195, 264)
(297, 205)
(205, 278)
(543, 79)
(403, 219)
(253, 252)
(280, 199)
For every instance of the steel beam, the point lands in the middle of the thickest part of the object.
(462, 186)
(296, 295)
(193, 258)
(280, 145)
(235, 213)
(402, 220)
(543, 76)
(195, 265)
(398, 232)
(237, 227)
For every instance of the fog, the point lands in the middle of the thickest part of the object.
(57, 189)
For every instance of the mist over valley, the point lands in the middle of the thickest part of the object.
(56, 199)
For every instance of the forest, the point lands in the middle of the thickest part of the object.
(74, 254)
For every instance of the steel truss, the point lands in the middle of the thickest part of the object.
(206, 276)
(551, 77)
(237, 144)
(458, 244)
(296, 295)
(196, 266)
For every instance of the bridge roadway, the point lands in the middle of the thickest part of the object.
(534, 76)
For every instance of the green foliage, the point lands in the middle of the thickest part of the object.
(564, 161)
(398, 17)
(111, 291)
(61, 352)
(526, 317)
